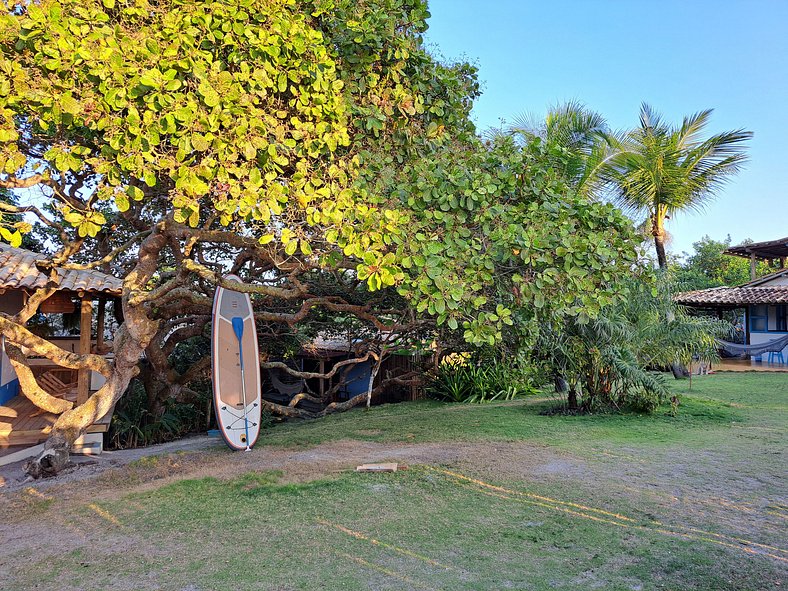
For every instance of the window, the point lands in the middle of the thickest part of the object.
(782, 318)
(759, 318)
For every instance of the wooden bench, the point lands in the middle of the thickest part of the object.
(54, 386)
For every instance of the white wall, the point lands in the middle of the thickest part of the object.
(7, 373)
(757, 338)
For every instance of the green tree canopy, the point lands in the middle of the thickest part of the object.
(707, 266)
(314, 148)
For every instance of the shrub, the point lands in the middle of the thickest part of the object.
(615, 360)
(133, 425)
(461, 379)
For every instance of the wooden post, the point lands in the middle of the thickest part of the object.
(85, 321)
(782, 262)
(752, 266)
(322, 380)
(747, 326)
(100, 320)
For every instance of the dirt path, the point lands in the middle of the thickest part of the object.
(676, 484)
(682, 491)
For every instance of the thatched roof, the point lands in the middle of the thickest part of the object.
(18, 271)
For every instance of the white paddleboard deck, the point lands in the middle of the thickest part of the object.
(236, 393)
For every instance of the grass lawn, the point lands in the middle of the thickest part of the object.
(496, 497)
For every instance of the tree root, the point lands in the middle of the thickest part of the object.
(49, 463)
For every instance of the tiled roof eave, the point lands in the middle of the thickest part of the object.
(18, 271)
(734, 296)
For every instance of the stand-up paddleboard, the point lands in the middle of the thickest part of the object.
(236, 368)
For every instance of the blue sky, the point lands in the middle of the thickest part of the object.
(679, 56)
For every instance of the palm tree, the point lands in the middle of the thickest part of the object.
(583, 134)
(663, 169)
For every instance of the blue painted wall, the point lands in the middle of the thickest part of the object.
(8, 391)
(9, 384)
(358, 379)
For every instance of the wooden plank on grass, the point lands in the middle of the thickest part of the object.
(389, 467)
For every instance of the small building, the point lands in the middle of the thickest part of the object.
(74, 319)
(764, 300)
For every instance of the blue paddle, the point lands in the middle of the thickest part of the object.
(238, 328)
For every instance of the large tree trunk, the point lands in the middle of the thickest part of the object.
(679, 371)
(131, 339)
(560, 384)
(73, 423)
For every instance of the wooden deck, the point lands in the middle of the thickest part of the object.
(748, 365)
(18, 427)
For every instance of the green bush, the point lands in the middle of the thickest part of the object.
(133, 425)
(462, 380)
(614, 361)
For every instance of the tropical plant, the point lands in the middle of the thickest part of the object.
(133, 425)
(583, 136)
(616, 359)
(663, 169)
(475, 380)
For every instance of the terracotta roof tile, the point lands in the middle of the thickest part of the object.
(734, 296)
(18, 271)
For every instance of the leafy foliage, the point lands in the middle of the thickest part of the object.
(663, 169)
(133, 425)
(245, 110)
(707, 266)
(582, 134)
(495, 233)
(476, 381)
(13, 230)
(307, 130)
(612, 361)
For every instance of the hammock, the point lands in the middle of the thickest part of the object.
(773, 346)
(284, 388)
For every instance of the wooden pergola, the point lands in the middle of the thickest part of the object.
(765, 251)
(22, 273)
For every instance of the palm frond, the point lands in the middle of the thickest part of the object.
(669, 169)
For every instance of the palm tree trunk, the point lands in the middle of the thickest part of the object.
(658, 231)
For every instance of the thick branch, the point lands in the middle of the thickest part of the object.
(30, 388)
(198, 370)
(309, 375)
(17, 183)
(109, 257)
(215, 278)
(19, 335)
(303, 396)
(31, 306)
